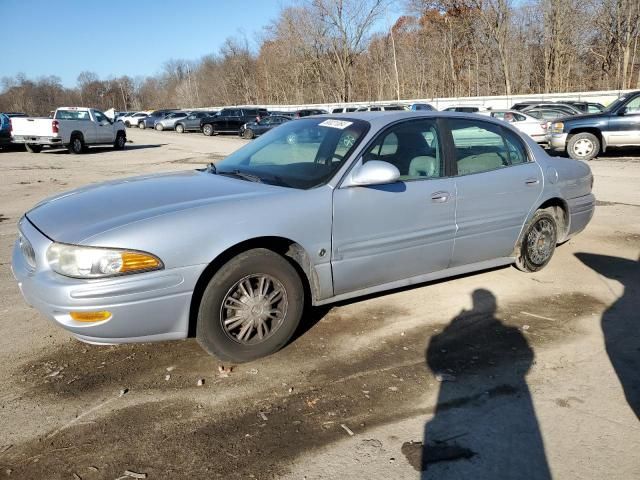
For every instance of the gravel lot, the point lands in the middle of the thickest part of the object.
(506, 375)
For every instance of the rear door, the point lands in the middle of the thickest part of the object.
(496, 183)
(387, 233)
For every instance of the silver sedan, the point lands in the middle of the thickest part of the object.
(318, 210)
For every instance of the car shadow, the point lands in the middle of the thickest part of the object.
(102, 149)
(484, 425)
(621, 321)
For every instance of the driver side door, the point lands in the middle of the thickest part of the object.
(393, 232)
(104, 128)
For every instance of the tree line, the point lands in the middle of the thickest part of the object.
(332, 51)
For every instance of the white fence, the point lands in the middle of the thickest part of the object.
(503, 101)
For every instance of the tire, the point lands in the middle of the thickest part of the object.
(31, 148)
(583, 146)
(208, 129)
(227, 287)
(121, 141)
(538, 242)
(248, 134)
(179, 128)
(127, 124)
(76, 146)
(142, 126)
(159, 127)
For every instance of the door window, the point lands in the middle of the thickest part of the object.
(100, 117)
(413, 147)
(634, 106)
(480, 147)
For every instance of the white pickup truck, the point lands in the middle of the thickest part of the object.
(72, 127)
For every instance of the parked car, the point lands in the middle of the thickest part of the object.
(133, 119)
(191, 122)
(587, 107)
(527, 104)
(230, 120)
(253, 129)
(343, 109)
(463, 108)
(541, 107)
(583, 137)
(15, 114)
(547, 114)
(169, 121)
(75, 128)
(307, 112)
(427, 107)
(5, 130)
(235, 251)
(121, 115)
(380, 108)
(533, 127)
(150, 120)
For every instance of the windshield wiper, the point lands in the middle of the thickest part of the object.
(211, 168)
(243, 175)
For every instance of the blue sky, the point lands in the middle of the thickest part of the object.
(118, 37)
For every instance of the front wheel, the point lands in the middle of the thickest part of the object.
(583, 146)
(251, 307)
(142, 126)
(538, 242)
(179, 128)
(32, 148)
(248, 134)
(120, 142)
(159, 127)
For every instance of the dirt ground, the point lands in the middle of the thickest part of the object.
(496, 375)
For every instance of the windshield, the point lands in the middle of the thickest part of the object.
(300, 154)
(616, 103)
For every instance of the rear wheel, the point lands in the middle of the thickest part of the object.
(32, 148)
(121, 141)
(127, 124)
(77, 145)
(208, 129)
(251, 307)
(180, 128)
(159, 127)
(248, 134)
(142, 125)
(583, 146)
(538, 242)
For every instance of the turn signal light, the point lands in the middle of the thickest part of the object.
(134, 261)
(90, 316)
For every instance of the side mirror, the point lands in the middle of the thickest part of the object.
(374, 172)
(622, 111)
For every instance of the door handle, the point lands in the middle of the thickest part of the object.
(440, 197)
(531, 181)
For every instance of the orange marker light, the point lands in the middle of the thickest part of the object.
(134, 261)
(90, 316)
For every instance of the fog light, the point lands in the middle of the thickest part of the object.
(90, 316)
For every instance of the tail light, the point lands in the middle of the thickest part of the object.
(54, 126)
(10, 126)
(544, 125)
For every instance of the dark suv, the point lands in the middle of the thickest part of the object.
(230, 120)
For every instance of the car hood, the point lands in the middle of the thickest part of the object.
(75, 216)
(582, 116)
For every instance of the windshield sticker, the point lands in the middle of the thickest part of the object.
(341, 124)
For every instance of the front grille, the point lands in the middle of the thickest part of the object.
(27, 252)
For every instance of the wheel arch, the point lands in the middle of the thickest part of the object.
(285, 247)
(560, 211)
(592, 130)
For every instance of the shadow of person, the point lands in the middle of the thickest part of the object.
(621, 322)
(484, 424)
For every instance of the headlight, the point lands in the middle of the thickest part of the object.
(92, 262)
(557, 127)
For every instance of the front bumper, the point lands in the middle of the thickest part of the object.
(144, 307)
(557, 141)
